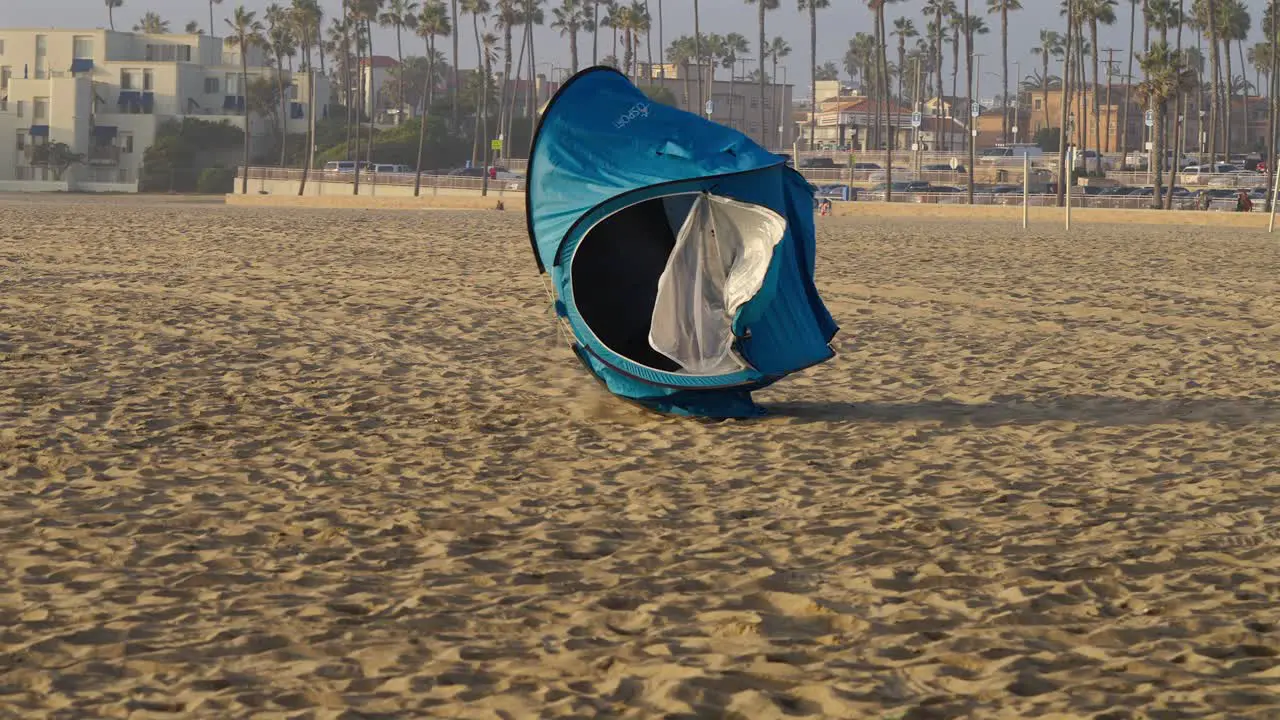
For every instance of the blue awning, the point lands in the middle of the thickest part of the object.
(233, 102)
(148, 99)
(104, 132)
(80, 65)
(129, 96)
(39, 131)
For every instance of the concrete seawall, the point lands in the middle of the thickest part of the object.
(1039, 217)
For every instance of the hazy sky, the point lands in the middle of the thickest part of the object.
(835, 26)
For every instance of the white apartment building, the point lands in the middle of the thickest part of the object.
(105, 93)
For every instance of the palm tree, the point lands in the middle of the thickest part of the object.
(111, 6)
(813, 6)
(1050, 46)
(612, 16)
(212, 24)
(366, 14)
(570, 18)
(301, 21)
(309, 16)
(433, 22)
(903, 28)
(488, 53)
(1004, 7)
(941, 11)
(453, 89)
(506, 17)
(192, 28)
(152, 24)
(763, 6)
(680, 53)
(1166, 77)
(246, 33)
(729, 48)
(278, 41)
(1235, 25)
(477, 9)
(533, 16)
(401, 15)
(969, 28)
(1096, 12)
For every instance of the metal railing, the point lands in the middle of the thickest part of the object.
(1122, 202)
(459, 182)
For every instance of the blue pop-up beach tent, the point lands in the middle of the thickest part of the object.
(681, 254)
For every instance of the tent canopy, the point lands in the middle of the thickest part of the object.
(681, 253)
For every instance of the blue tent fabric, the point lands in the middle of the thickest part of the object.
(604, 167)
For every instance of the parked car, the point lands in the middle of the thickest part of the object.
(819, 163)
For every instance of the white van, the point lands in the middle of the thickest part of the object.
(1007, 153)
(344, 166)
(388, 169)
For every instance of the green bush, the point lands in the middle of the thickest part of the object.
(216, 181)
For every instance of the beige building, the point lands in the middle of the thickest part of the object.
(735, 104)
(105, 93)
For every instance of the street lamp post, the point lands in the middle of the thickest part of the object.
(782, 117)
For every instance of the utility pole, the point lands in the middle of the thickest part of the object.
(968, 51)
(1110, 72)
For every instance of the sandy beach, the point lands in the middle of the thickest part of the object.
(265, 462)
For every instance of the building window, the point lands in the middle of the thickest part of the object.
(755, 103)
(168, 53)
(6, 73)
(1036, 104)
(126, 143)
(1, 46)
(292, 91)
(82, 47)
(130, 79)
(211, 86)
(39, 109)
(42, 49)
(233, 84)
(20, 108)
(22, 141)
(147, 81)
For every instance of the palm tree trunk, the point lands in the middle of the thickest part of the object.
(1128, 84)
(1097, 116)
(399, 72)
(1229, 90)
(511, 108)
(484, 105)
(1044, 87)
(662, 48)
(454, 93)
(309, 151)
(1064, 173)
(531, 97)
(373, 100)
(648, 45)
(1178, 140)
(883, 52)
(1157, 150)
(359, 113)
(762, 48)
(697, 51)
(284, 114)
(813, 76)
(968, 51)
(595, 32)
(573, 50)
(1004, 58)
(1272, 78)
(484, 84)
(422, 120)
(508, 87)
(113, 27)
(1216, 90)
(1244, 95)
(244, 90)
(940, 142)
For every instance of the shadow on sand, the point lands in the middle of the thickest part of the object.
(1083, 409)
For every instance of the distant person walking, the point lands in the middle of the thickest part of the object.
(1243, 203)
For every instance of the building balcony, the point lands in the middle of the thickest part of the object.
(103, 155)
